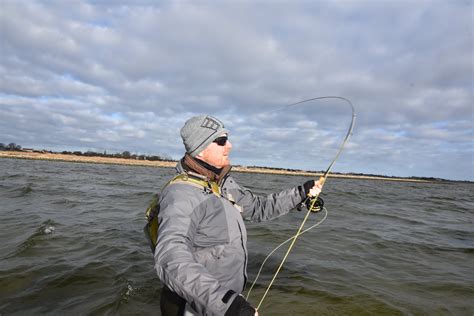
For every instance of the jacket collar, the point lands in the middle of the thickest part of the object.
(191, 166)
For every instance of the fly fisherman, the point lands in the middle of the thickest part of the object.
(201, 252)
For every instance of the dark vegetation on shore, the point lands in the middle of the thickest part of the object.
(430, 179)
(124, 155)
(128, 155)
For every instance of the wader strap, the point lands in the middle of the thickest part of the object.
(151, 214)
(185, 178)
(171, 304)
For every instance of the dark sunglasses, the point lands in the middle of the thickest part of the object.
(221, 141)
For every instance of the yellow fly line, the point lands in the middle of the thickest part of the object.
(312, 199)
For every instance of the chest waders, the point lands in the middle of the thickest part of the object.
(151, 214)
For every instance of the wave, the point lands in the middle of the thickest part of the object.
(324, 299)
(22, 191)
(46, 228)
(379, 245)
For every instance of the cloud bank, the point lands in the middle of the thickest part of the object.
(123, 75)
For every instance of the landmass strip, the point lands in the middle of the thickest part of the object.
(172, 164)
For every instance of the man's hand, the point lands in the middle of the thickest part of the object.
(313, 188)
(240, 307)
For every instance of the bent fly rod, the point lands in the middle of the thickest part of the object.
(312, 199)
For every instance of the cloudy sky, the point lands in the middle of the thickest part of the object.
(125, 75)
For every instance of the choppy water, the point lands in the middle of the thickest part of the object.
(72, 243)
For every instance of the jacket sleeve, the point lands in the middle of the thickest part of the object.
(174, 260)
(257, 208)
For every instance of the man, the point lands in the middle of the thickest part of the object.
(201, 253)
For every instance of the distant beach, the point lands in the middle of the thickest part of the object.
(172, 164)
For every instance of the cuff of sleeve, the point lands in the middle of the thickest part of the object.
(228, 296)
(307, 186)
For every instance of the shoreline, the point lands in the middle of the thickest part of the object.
(172, 164)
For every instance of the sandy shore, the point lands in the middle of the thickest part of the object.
(172, 164)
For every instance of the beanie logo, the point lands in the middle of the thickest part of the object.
(211, 123)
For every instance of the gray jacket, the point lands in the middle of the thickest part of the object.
(201, 252)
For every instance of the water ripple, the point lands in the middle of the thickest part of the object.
(72, 243)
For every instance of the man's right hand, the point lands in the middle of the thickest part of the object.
(313, 188)
(240, 307)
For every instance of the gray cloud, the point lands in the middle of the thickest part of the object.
(125, 75)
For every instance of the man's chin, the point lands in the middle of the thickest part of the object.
(226, 163)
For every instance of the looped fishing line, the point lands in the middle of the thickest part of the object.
(322, 180)
(278, 247)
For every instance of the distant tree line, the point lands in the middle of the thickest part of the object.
(128, 155)
(11, 146)
(281, 169)
(125, 154)
(353, 174)
(391, 177)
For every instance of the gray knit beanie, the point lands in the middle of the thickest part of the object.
(199, 131)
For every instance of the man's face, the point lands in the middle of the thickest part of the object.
(215, 155)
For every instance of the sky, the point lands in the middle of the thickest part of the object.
(120, 76)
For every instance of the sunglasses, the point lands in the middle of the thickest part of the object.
(221, 141)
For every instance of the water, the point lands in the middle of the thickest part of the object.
(72, 243)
